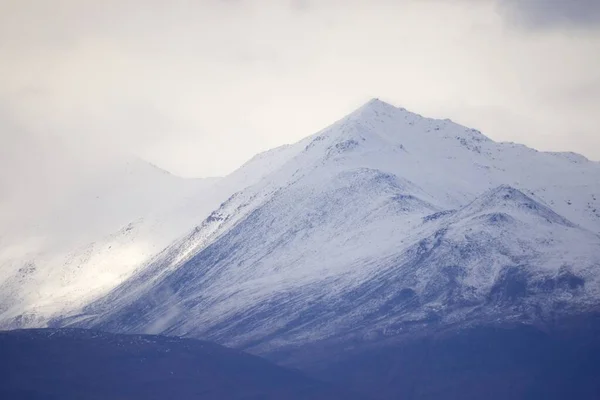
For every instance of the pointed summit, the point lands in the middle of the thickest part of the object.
(375, 104)
(374, 108)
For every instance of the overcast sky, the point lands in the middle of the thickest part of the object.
(200, 86)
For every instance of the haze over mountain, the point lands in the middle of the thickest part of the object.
(85, 238)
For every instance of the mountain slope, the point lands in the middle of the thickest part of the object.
(382, 224)
(76, 364)
(504, 260)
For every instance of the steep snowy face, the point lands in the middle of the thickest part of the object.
(382, 223)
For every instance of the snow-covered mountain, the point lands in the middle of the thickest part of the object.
(383, 223)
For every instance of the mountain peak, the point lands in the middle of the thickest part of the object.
(377, 105)
(506, 192)
(507, 197)
(377, 102)
(374, 109)
(503, 195)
